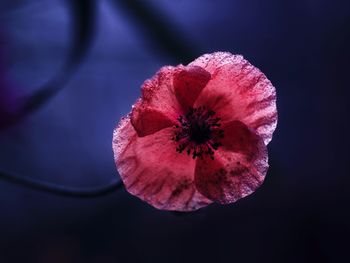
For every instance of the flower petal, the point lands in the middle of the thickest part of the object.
(152, 170)
(239, 138)
(238, 91)
(158, 107)
(233, 175)
(188, 83)
(147, 121)
(211, 62)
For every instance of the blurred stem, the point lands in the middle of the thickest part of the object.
(83, 16)
(61, 190)
(159, 29)
(83, 20)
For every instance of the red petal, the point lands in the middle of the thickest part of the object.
(232, 175)
(188, 83)
(158, 92)
(147, 121)
(238, 138)
(158, 107)
(211, 62)
(238, 91)
(152, 170)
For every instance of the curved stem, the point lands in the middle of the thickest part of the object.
(157, 27)
(61, 189)
(83, 19)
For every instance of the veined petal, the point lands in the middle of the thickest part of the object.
(147, 120)
(239, 138)
(232, 175)
(158, 107)
(152, 170)
(238, 91)
(188, 83)
(158, 92)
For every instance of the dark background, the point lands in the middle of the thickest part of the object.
(98, 53)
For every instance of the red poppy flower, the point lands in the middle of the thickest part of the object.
(198, 134)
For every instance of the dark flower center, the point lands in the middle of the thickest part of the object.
(198, 132)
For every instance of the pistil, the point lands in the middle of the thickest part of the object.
(198, 132)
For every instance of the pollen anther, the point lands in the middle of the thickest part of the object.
(198, 132)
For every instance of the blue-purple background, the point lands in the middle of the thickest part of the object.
(300, 214)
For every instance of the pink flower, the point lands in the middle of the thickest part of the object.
(198, 134)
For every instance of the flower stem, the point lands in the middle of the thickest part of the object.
(61, 189)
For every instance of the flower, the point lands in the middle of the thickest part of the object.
(198, 134)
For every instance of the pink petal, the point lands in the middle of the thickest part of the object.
(152, 170)
(233, 175)
(188, 83)
(147, 121)
(158, 107)
(238, 138)
(238, 91)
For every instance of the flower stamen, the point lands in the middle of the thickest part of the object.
(198, 132)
